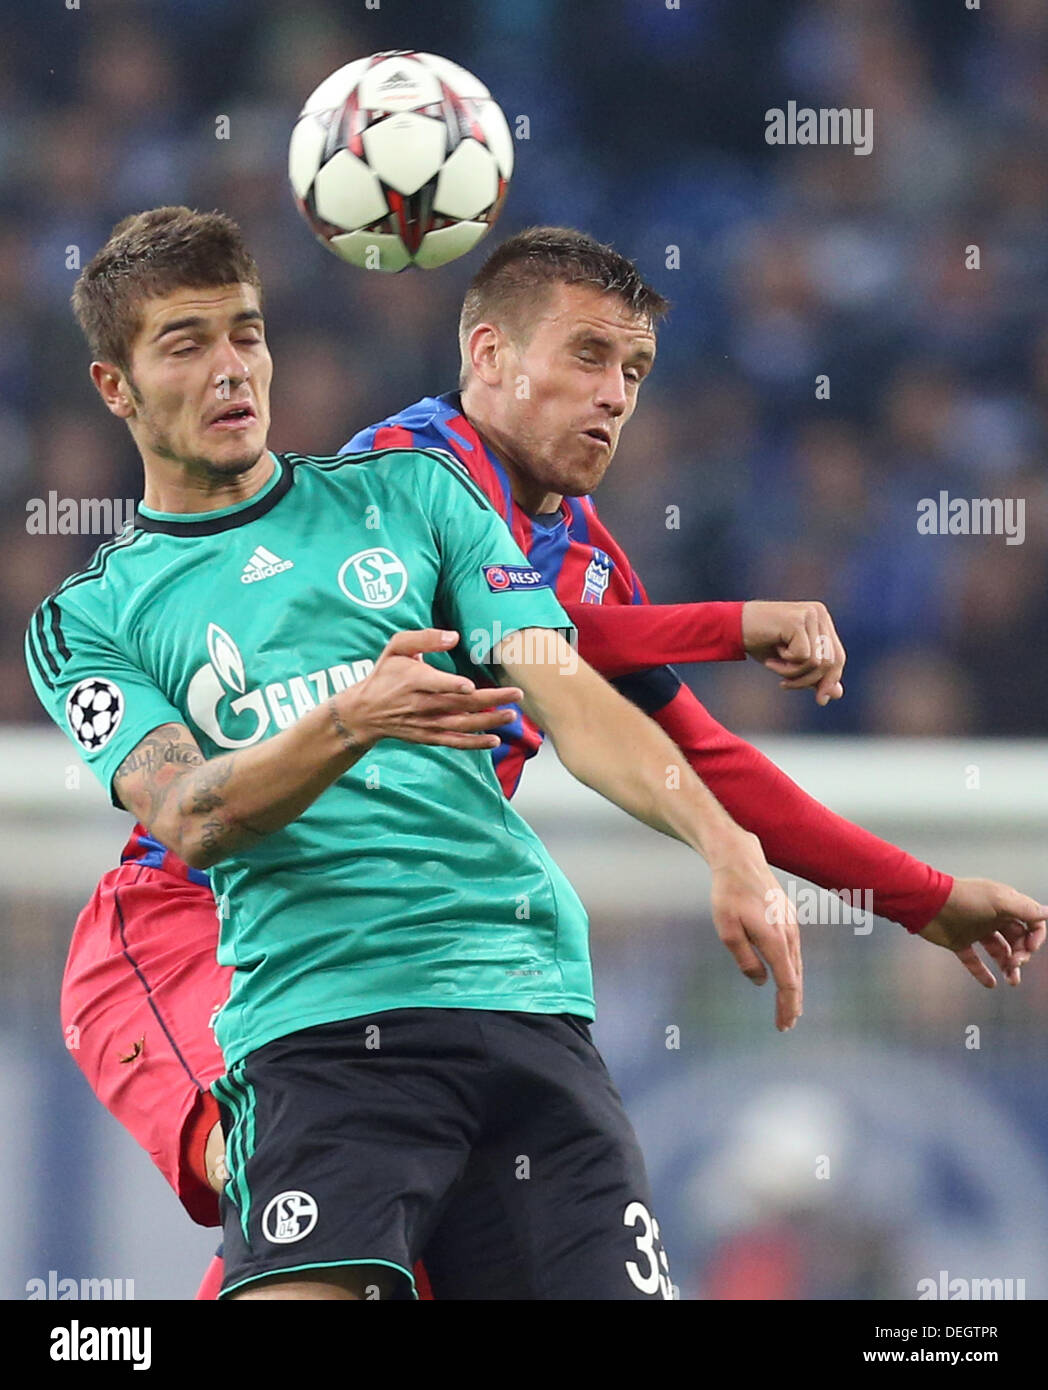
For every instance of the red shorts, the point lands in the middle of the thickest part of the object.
(141, 985)
(140, 988)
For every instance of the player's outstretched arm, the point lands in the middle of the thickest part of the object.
(608, 744)
(803, 837)
(206, 810)
(797, 641)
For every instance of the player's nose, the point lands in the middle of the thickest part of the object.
(229, 366)
(611, 392)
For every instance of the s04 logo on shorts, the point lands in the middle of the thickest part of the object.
(289, 1217)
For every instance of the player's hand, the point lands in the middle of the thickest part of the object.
(406, 698)
(756, 921)
(1007, 924)
(798, 642)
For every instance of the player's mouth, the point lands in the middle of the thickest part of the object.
(234, 417)
(599, 433)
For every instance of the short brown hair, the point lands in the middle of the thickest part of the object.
(515, 280)
(150, 254)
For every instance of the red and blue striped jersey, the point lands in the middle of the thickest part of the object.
(627, 639)
(143, 848)
(578, 557)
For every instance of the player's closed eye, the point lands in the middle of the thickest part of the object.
(633, 376)
(252, 339)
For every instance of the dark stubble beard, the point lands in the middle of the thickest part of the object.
(204, 467)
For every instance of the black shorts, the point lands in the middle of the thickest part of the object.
(492, 1146)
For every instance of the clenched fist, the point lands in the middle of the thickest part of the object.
(798, 642)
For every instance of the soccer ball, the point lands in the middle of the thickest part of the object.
(400, 159)
(94, 709)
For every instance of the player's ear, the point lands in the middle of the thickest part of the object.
(112, 386)
(486, 349)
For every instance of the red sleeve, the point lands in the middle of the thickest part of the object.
(798, 833)
(620, 639)
(630, 634)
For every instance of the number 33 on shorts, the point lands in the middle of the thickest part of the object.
(651, 1274)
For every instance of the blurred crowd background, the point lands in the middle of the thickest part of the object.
(646, 128)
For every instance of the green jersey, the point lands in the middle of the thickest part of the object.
(410, 881)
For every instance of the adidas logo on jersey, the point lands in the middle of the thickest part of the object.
(263, 565)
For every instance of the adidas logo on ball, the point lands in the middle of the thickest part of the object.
(263, 565)
(395, 79)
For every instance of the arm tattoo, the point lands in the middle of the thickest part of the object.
(350, 742)
(221, 836)
(205, 794)
(166, 746)
(162, 746)
(202, 792)
(220, 833)
(213, 834)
